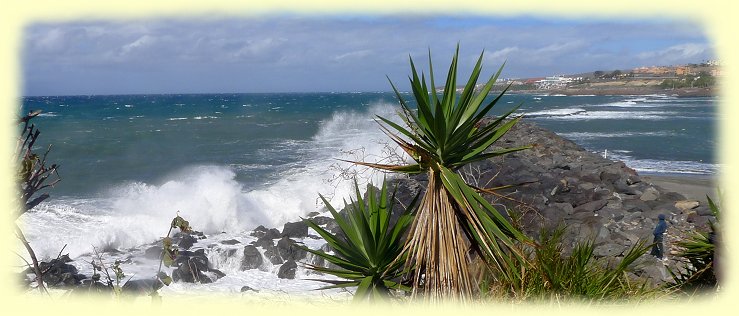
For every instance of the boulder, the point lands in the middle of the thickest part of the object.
(153, 252)
(141, 287)
(273, 255)
(184, 240)
(289, 251)
(252, 258)
(685, 205)
(192, 266)
(248, 288)
(321, 220)
(650, 194)
(295, 230)
(591, 206)
(264, 242)
(287, 270)
(59, 273)
(230, 242)
(262, 231)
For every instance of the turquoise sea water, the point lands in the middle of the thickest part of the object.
(234, 161)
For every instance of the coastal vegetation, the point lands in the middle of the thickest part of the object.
(699, 252)
(453, 219)
(32, 178)
(551, 273)
(368, 251)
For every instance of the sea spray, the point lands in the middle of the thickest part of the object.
(134, 213)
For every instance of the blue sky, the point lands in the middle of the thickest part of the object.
(332, 53)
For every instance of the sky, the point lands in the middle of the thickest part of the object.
(291, 53)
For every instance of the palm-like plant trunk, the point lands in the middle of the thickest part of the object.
(439, 247)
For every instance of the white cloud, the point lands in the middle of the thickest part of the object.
(329, 49)
(353, 55)
(501, 54)
(681, 53)
(141, 42)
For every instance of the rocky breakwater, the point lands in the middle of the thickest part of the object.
(558, 182)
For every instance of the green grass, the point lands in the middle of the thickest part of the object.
(549, 273)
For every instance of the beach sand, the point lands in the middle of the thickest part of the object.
(693, 187)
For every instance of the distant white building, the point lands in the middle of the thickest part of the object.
(554, 82)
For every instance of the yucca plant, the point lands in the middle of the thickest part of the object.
(369, 251)
(444, 134)
(699, 250)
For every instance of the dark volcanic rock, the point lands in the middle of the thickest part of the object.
(141, 286)
(264, 242)
(252, 258)
(289, 251)
(248, 288)
(273, 255)
(230, 242)
(153, 252)
(184, 240)
(287, 270)
(322, 220)
(59, 273)
(192, 267)
(295, 230)
(591, 206)
(262, 231)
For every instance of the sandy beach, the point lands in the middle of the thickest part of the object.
(693, 187)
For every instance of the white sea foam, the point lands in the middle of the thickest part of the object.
(582, 114)
(556, 112)
(594, 135)
(132, 214)
(666, 166)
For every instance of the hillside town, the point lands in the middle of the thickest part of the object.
(689, 80)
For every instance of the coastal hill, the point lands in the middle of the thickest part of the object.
(681, 80)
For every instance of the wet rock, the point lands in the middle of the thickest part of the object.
(287, 270)
(264, 242)
(230, 242)
(289, 251)
(141, 287)
(184, 240)
(322, 220)
(262, 231)
(59, 273)
(246, 288)
(295, 230)
(252, 258)
(153, 252)
(273, 255)
(192, 267)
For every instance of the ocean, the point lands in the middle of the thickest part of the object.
(230, 162)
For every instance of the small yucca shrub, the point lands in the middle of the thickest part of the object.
(368, 251)
(699, 255)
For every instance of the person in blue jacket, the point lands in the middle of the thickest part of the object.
(659, 230)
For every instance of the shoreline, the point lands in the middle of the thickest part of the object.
(684, 92)
(693, 187)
